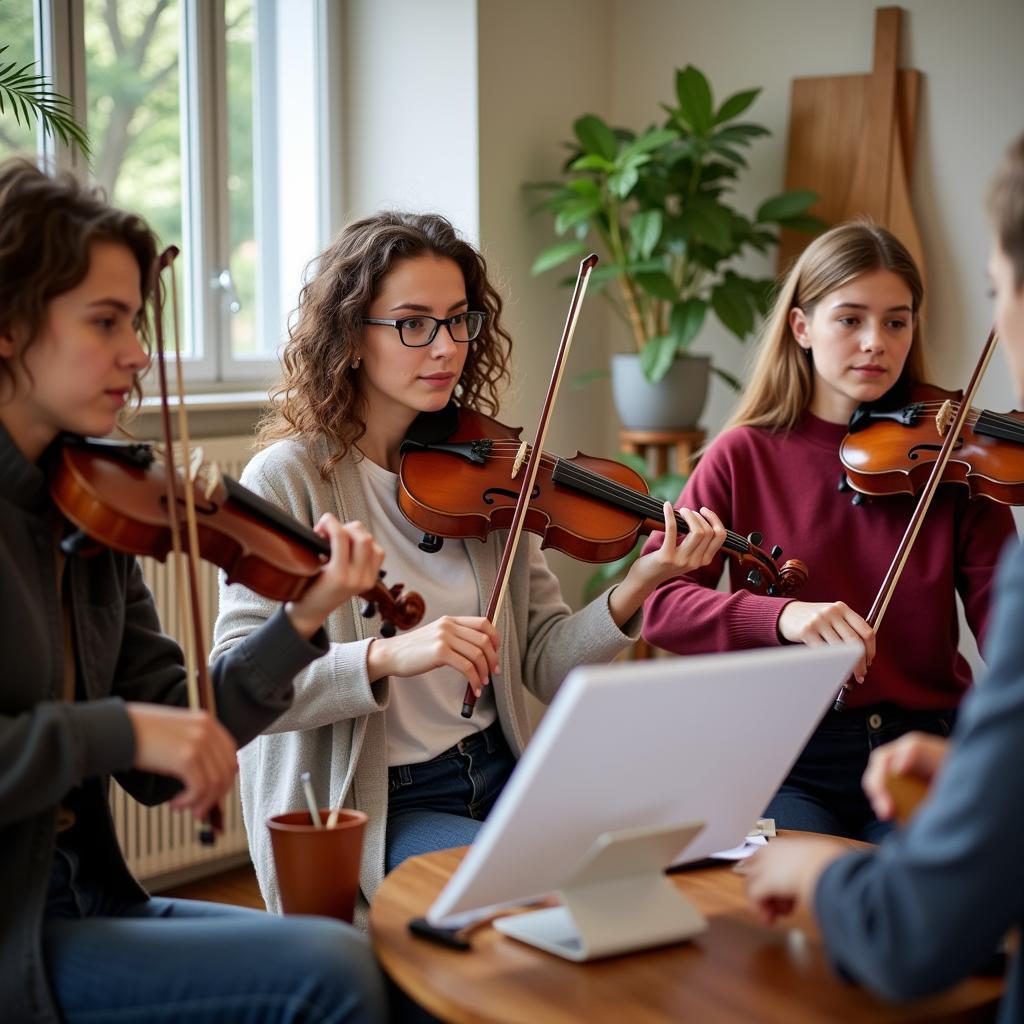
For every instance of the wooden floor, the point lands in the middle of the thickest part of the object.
(237, 886)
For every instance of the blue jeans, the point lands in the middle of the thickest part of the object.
(442, 802)
(166, 960)
(822, 792)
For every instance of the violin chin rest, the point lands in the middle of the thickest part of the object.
(80, 545)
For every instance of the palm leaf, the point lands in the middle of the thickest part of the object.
(29, 96)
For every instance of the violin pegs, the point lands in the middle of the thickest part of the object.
(754, 577)
(858, 499)
(844, 483)
(369, 610)
(755, 538)
(381, 574)
(430, 543)
(771, 591)
(387, 629)
(776, 552)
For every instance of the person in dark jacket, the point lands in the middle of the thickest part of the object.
(929, 905)
(91, 687)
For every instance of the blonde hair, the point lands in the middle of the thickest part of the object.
(782, 378)
(319, 391)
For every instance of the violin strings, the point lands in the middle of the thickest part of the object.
(612, 491)
(1002, 425)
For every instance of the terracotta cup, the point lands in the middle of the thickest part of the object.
(318, 868)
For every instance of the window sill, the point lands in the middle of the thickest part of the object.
(214, 414)
(213, 401)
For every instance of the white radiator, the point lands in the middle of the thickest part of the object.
(162, 846)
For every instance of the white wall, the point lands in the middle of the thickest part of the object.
(410, 109)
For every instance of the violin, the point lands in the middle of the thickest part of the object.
(115, 494)
(458, 478)
(941, 424)
(892, 446)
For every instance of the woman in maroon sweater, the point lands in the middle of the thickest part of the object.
(845, 330)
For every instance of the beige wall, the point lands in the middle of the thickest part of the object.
(542, 65)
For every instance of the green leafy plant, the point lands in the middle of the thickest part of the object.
(666, 487)
(29, 96)
(656, 206)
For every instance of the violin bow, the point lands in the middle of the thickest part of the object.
(515, 531)
(899, 561)
(200, 687)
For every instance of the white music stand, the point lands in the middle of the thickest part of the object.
(635, 767)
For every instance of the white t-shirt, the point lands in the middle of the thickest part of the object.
(423, 716)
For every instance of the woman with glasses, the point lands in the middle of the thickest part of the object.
(398, 320)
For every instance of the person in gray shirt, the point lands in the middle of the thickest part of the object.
(929, 906)
(91, 686)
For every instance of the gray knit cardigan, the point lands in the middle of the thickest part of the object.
(335, 728)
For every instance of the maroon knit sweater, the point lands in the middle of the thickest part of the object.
(784, 485)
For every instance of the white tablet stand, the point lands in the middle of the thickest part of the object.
(618, 899)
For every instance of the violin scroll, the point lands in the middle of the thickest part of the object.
(763, 573)
(397, 610)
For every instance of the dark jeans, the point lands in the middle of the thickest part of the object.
(166, 960)
(822, 792)
(442, 802)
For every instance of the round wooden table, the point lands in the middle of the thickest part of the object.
(738, 970)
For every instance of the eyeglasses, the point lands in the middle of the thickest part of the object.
(419, 331)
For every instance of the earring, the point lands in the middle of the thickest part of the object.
(356, 362)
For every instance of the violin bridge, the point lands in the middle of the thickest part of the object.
(212, 478)
(195, 463)
(519, 460)
(944, 417)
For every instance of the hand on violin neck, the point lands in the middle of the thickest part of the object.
(823, 622)
(467, 643)
(351, 569)
(674, 557)
(190, 746)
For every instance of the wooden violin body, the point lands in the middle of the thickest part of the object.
(116, 495)
(592, 509)
(893, 450)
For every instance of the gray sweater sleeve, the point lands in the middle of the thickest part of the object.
(933, 901)
(337, 687)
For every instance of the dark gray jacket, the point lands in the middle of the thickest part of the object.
(48, 746)
(931, 904)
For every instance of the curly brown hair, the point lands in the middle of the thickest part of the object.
(319, 391)
(47, 226)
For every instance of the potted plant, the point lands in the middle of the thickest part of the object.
(655, 206)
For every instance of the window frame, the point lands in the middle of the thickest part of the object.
(60, 50)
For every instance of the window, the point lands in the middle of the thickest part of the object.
(207, 117)
(17, 34)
